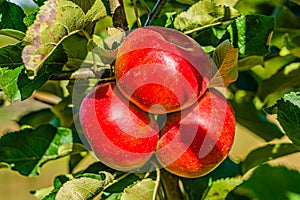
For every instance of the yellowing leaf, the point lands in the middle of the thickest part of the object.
(57, 20)
(226, 59)
(203, 14)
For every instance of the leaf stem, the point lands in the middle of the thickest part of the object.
(138, 20)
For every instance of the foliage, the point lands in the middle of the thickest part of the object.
(254, 44)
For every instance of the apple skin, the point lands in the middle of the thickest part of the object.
(122, 136)
(161, 66)
(197, 140)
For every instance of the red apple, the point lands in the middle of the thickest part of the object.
(196, 140)
(161, 70)
(121, 135)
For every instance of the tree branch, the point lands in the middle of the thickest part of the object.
(85, 73)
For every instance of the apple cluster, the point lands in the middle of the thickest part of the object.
(159, 109)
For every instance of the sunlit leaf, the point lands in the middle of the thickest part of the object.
(12, 33)
(220, 188)
(144, 189)
(284, 79)
(56, 21)
(226, 58)
(267, 153)
(203, 14)
(84, 187)
(14, 80)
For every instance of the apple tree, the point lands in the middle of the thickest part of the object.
(241, 58)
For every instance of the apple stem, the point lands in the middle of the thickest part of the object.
(155, 11)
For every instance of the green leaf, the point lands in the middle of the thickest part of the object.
(226, 58)
(267, 153)
(11, 17)
(27, 150)
(249, 62)
(292, 45)
(220, 188)
(288, 111)
(251, 34)
(13, 76)
(37, 118)
(56, 21)
(15, 34)
(287, 78)
(41, 193)
(29, 19)
(255, 120)
(257, 6)
(203, 14)
(195, 188)
(272, 66)
(268, 182)
(144, 189)
(122, 183)
(84, 187)
(39, 2)
(76, 49)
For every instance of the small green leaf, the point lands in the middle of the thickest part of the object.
(284, 79)
(41, 193)
(195, 188)
(15, 34)
(144, 189)
(267, 182)
(27, 150)
(29, 19)
(37, 118)
(255, 120)
(84, 187)
(251, 34)
(211, 13)
(288, 111)
(220, 188)
(56, 21)
(266, 153)
(226, 58)
(11, 16)
(14, 80)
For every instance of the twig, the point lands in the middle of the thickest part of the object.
(155, 11)
(84, 73)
